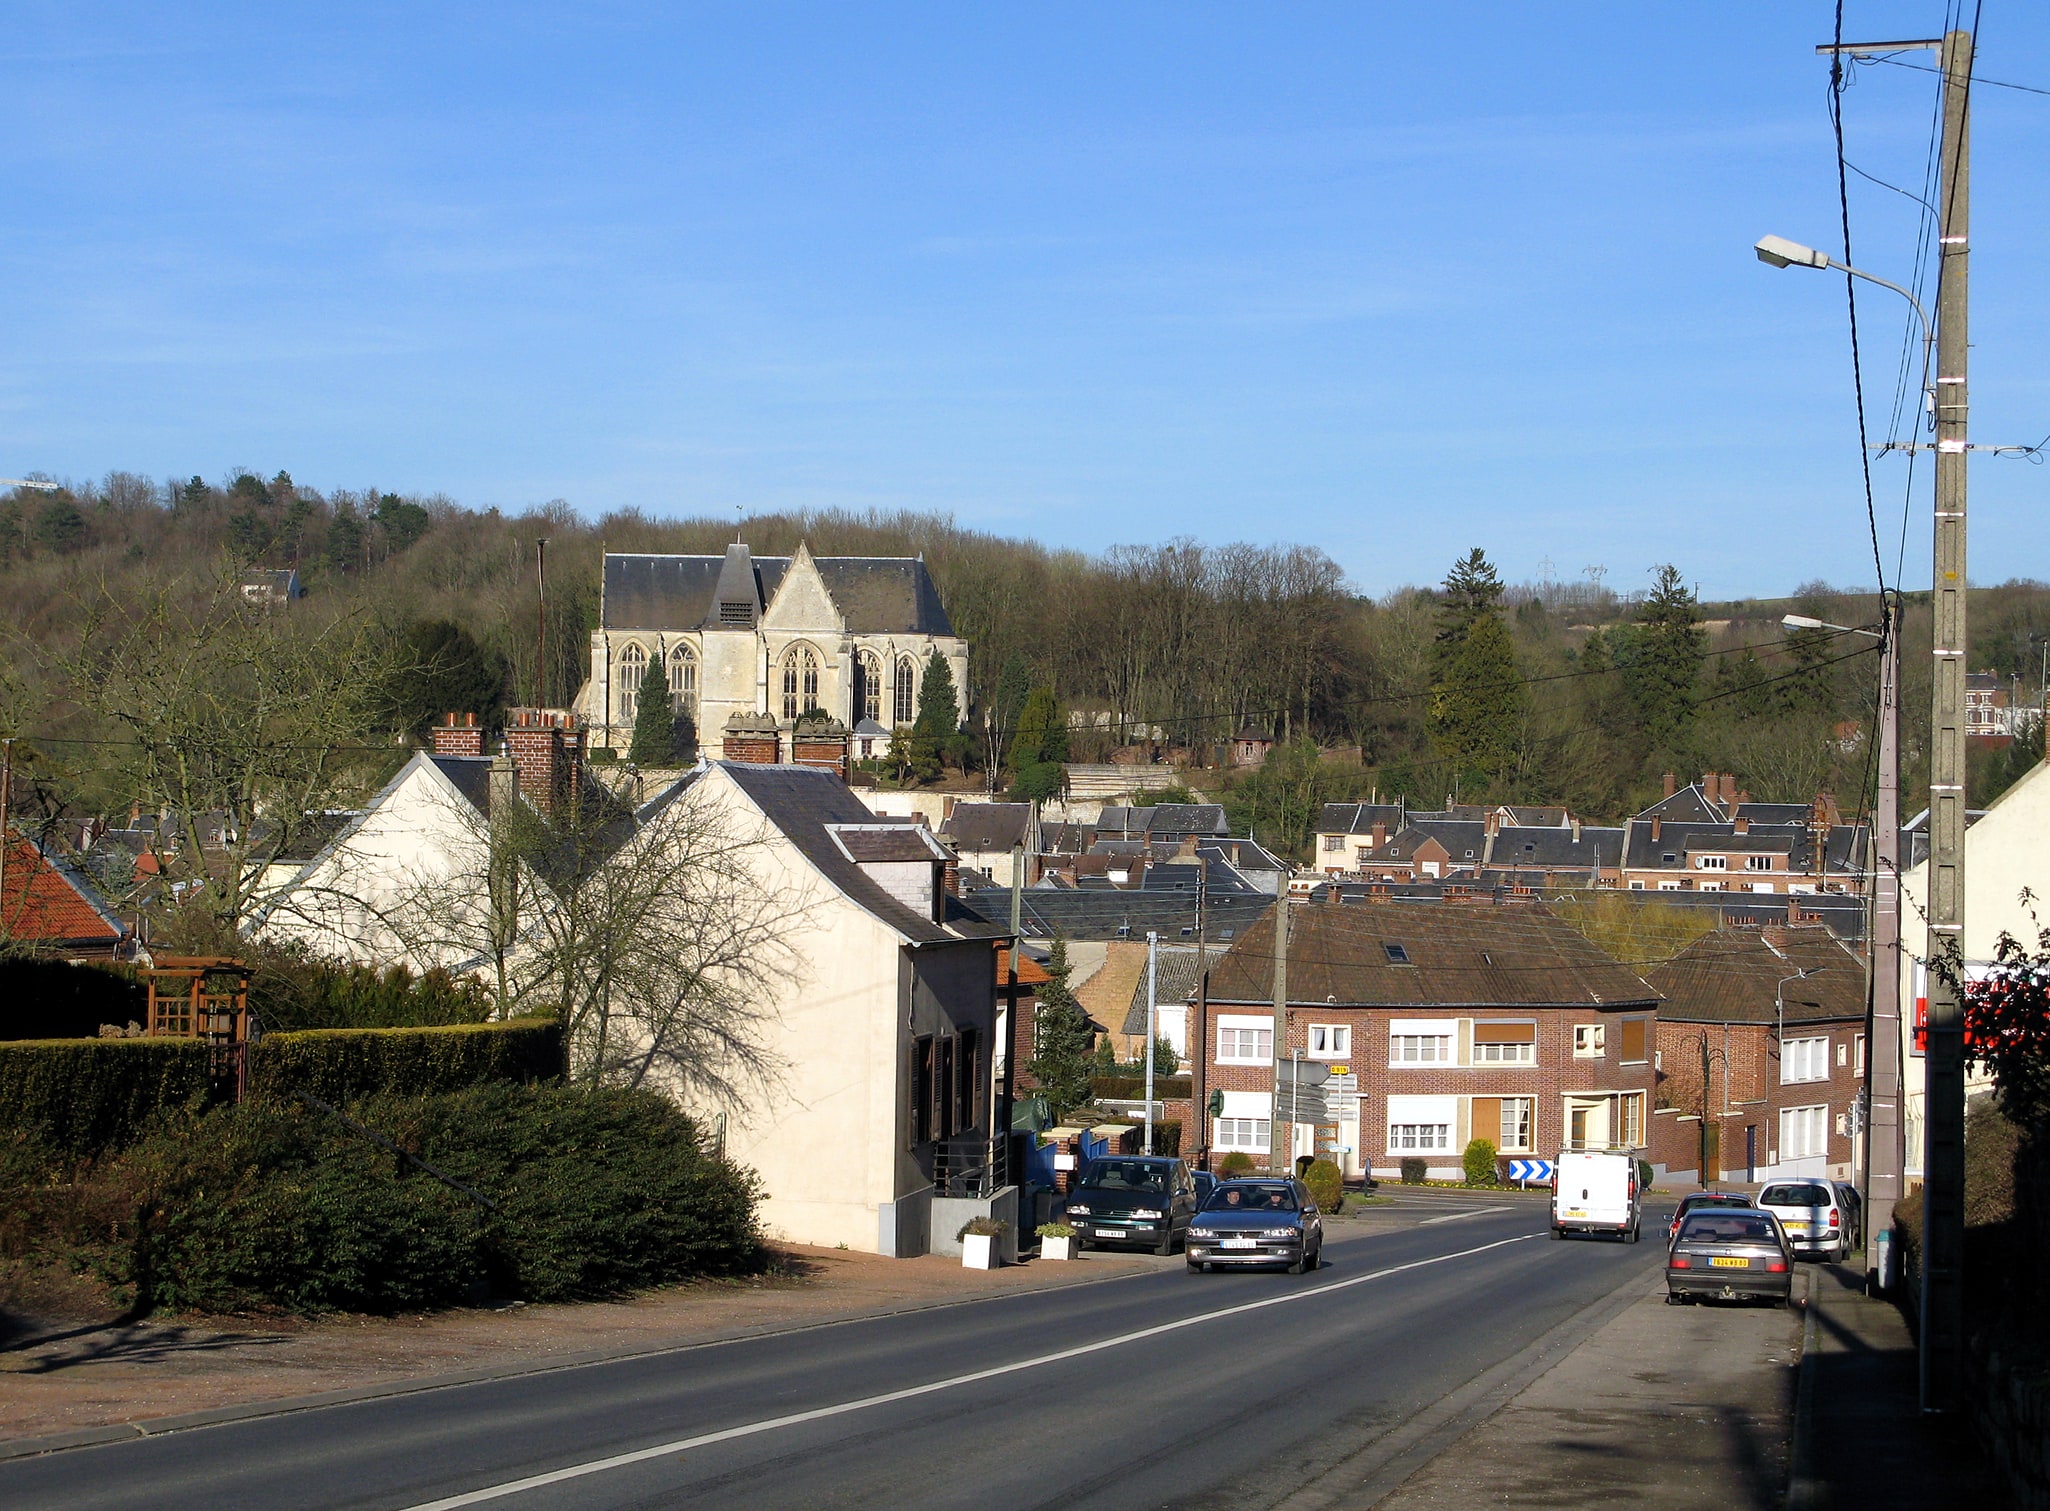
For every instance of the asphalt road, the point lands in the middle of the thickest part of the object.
(1242, 1390)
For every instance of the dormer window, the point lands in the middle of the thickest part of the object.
(1397, 955)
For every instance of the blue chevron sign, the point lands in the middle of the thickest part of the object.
(1530, 1169)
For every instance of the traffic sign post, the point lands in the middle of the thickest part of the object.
(1524, 1171)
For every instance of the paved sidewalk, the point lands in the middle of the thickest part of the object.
(1867, 1443)
(1664, 1406)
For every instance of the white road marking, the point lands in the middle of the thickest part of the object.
(798, 1418)
(1455, 1216)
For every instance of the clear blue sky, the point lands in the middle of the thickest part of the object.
(1394, 282)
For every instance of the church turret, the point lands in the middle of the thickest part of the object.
(737, 600)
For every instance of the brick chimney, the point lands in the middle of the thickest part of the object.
(1657, 824)
(751, 740)
(1380, 835)
(820, 743)
(1730, 798)
(1672, 784)
(1743, 826)
(1711, 785)
(458, 735)
(547, 750)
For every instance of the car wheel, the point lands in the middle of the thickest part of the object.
(1081, 1244)
(1631, 1237)
(1196, 1266)
(1296, 1267)
(1558, 1232)
(1166, 1245)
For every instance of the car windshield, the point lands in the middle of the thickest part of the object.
(1125, 1175)
(1243, 1198)
(1801, 1194)
(1696, 1203)
(1717, 1227)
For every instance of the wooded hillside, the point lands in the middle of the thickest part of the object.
(1555, 692)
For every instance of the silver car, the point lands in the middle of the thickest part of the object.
(1813, 1217)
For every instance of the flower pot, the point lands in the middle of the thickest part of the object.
(979, 1251)
(1057, 1248)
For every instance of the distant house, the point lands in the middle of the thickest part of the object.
(48, 906)
(1780, 1013)
(271, 589)
(985, 835)
(1251, 746)
(1440, 1023)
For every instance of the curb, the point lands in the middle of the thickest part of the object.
(1804, 1491)
(149, 1427)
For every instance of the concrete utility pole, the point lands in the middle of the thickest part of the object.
(1885, 1154)
(1152, 1018)
(541, 623)
(6, 813)
(1943, 1102)
(1278, 1159)
(1198, 1036)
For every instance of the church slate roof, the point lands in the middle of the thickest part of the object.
(876, 595)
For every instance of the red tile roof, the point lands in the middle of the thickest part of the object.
(45, 900)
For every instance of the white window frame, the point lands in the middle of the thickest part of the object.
(1334, 842)
(1233, 1046)
(1528, 1121)
(1419, 1138)
(1804, 1059)
(1812, 1123)
(1251, 1135)
(1408, 1050)
(1330, 1041)
(1590, 1041)
(1628, 1124)
(1758, 863)
(1491, 1054)
(1711, 863)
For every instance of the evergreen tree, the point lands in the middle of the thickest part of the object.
(1062, 1059)
(1660, 657)
(444, 670)
(1005, 705)
(60, 527)
(654, 741)
(1477, 697)
(344, 541)
(939, 718)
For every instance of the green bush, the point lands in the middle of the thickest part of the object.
(1415, 1171)
(1479, 1161)
(1238, 1162)
(277, 1205)
(344, 1064)
(1124, 1086)
(1326, 1182)
(84, 1096)
(291, 989)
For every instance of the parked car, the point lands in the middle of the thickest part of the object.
(1695, 1200)
(1809, 1211)
(1258, 1221)
(1595, 1192)
(1730, 1253)
(1135, 1199)
(1852, 1206)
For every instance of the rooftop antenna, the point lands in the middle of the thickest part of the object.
(739, 523)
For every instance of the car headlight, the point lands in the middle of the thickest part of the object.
(1202, 1232)
(1147, 1214)
(1281, 1233)
(1075, 1211)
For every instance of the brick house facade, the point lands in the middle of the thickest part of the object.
(1442, 1022)
(1780, 1011)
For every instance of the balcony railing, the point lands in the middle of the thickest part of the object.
(968, 1166)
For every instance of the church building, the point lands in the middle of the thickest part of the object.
(750, 640)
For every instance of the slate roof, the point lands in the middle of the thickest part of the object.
(801, 801)
(1161, 819)
(876, 595)
(49, 901)
(873, 841)
(1732, 975)
(1458, 955)
(984, 827)
(1844, 848)
(1359, 818)
(1689, 805)
(1462, 839)
(1174, 981)
(1110, 913)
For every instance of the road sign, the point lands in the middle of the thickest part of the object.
(1527, 1170)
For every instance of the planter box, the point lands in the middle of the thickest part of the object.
(1057, 1248)
(979, 1251)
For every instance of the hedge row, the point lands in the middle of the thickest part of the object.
(1127, 1088)
(86, 1096)
(344, 1064)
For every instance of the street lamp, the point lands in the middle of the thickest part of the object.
(1778, 252)
(1885, 1153)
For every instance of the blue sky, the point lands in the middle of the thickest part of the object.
(1392, 282)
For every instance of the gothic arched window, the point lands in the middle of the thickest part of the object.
(868, 687)
(907, 690)
(800, 680)
(633, 665)
(683, 681)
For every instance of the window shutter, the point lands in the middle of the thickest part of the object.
(1505, 1033)
(1486, 1119)
(1633, 1040)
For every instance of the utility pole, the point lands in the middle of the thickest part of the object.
(1277, 1160)
(1943, 1102)
(1884, 1152)
(6, 840)
(1152, 1011)
(541, 623)
(1198, 1038)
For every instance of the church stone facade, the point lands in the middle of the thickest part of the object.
(768, 637)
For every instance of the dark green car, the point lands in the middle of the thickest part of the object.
(1135, 1199)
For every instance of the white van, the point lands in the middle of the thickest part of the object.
(1595, 1193)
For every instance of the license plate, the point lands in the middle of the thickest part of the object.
(1240, 1243)
(1576, 1211)
(1730, 1264)
(1797, 1227)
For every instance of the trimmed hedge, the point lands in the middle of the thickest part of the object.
(1128, 1088)
(345, 1064)
(84, 1096)
(596, 1193)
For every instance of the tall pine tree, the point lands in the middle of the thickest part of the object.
(654, 741)
(939, 718)
(1660, 658)
(1477, 695)
(1062, 1039)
